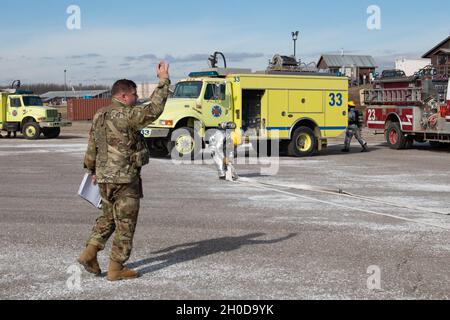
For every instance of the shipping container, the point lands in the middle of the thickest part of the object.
(84, 110)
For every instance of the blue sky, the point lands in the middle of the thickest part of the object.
(121, 39)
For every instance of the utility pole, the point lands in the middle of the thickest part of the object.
(295, 38)
(65, 85)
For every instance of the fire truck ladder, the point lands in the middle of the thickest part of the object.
(410, 96)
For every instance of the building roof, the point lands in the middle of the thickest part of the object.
(443, 50)
(73, 94)
(430, 53)
(348, 60)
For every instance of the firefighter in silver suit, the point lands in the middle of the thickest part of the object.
(223, 146)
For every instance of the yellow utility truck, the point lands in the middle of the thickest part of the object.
(300, 109)
(22, 111)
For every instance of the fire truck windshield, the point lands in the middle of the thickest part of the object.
(188, 90)
(32, 101)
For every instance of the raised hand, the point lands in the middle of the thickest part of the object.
(162, 70)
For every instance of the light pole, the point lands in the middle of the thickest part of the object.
(65, 85)
(295, 38)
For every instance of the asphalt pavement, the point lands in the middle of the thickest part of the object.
(334, 226)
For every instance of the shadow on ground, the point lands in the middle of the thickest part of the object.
(195, 250)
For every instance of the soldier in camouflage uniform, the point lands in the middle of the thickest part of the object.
(115, 155)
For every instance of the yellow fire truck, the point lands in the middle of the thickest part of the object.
(302, 110)
(22, 111)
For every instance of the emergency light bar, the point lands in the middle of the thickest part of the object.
(19, 91)
(203, 74)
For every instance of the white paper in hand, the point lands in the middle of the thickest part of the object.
(90, 192)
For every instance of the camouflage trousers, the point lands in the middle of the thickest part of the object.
(353, 131)
(121, 203)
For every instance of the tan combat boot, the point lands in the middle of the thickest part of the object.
(117, 272)
(88, 259)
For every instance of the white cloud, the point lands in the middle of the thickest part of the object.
(85, 56)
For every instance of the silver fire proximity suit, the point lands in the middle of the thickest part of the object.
(222, 146)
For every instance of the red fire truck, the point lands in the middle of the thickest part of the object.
(408, 109)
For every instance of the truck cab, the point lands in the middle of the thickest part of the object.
(22, 111)
(199, 98)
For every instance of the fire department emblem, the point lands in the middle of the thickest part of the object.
(216, 111)
(14, 113)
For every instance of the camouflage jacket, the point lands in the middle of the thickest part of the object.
(115, 137)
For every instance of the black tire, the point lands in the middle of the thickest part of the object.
(395, 137)
(185, 144)
(157, 148)
(51, 133)
(31, 131)
(303, 143)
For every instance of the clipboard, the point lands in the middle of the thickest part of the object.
(90, 192)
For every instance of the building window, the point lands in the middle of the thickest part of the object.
(442, 60)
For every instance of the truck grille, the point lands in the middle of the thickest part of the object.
(52, 113)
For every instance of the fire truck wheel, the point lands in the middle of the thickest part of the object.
(31, 131)
(395, 137)
(303, 143)
(185, 144)
(51, 133)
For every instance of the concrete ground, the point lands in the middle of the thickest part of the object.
(286, 236)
